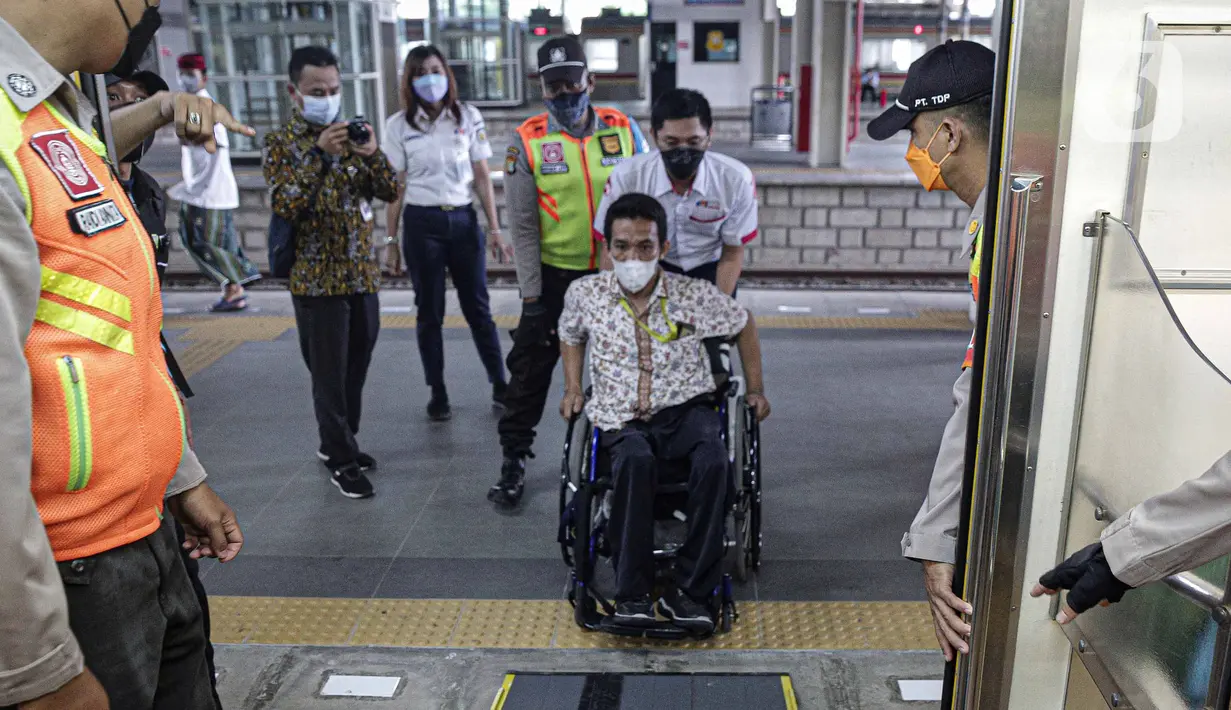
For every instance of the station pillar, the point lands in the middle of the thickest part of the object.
(821, 68)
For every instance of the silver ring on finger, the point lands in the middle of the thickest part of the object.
(194, 118)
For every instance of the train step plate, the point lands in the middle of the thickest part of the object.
(645, 691)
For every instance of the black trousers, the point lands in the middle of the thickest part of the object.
(136, 616)
(337, 335)
(689, 432)
(435, 240)
(532, 363)
(194, 577)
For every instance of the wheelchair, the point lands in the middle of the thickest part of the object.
(585, 485)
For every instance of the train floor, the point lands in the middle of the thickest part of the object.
(430, 596)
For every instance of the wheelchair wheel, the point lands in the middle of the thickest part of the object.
(574, 467)
(741, 517)
(753, 483)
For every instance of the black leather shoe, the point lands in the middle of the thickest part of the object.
(438, 409)
(508, 490)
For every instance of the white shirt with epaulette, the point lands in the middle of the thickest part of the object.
(719, 210)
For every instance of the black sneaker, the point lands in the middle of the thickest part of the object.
(499, 390)
(634, 612)
(351, 481)
(686, 613)
(366, 463)
(507, 491)
(438, 409)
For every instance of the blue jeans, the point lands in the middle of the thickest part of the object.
(434, 240)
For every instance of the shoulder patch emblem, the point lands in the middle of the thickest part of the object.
(553, 159)
(974, 226)
(59, 151)
(553, 153)
(611, 145)
(510, 163)
(22, 85)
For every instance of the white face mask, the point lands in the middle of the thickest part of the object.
(634, 274)
(322, 110)
(188, 83)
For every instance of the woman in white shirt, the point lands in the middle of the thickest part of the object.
(439, 148)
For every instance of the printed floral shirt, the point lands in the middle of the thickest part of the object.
(634, 374)
(329, 200)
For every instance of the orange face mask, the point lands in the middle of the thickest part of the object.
(926, 169)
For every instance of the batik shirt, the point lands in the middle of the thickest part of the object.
(635, 374)
(328, 199)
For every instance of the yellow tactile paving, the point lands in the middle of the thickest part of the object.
(407, 622)
(211, 338)
(250, 328)
(895, 626)
(453, 623)
(199, 355)
(301, 622)
(506, 624)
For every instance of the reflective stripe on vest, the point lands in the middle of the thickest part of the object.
(570, 175)
(108, 432)
(976, 265)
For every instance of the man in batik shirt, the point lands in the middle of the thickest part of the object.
(323, 184)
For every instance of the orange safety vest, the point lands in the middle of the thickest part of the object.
(570, 175)
(976, 266)
(108, 427)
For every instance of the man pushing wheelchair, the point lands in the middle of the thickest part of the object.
(653, 400)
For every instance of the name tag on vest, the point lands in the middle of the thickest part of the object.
(96, 218)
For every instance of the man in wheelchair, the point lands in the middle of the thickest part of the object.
(653, 400)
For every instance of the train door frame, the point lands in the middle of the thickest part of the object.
(660, 70)
(1036, 305)
(1027, 163)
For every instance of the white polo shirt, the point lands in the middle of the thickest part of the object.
(720, 209)
(437, 159)
(209, 182)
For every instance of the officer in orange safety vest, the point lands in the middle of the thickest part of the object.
(946, 104)
(96, 609)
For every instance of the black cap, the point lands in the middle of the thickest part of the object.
(949, 75)
(147, 79)
(562, 58)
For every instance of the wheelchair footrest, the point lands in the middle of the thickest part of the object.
(660, 630)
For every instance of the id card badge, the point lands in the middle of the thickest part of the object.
(365, 209)
(461, 158)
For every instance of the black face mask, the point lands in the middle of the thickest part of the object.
(682, 162)
(140, 36)
(139, 152)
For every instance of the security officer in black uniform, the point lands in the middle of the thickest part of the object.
(150, 202)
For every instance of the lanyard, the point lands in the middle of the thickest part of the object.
(673, 330)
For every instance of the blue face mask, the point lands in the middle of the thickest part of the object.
(431, 87)
(569, 109)
(322, 110)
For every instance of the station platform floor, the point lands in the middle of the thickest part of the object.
(428, 583)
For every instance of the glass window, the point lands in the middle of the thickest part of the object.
(905, 51)
(603, 55)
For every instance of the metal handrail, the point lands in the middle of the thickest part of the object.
(1188, 585)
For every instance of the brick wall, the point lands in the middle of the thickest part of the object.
(803, 228)
(864, 228)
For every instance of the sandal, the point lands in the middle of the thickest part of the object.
(225, 306)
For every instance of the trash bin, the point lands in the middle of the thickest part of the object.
(772, 117)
